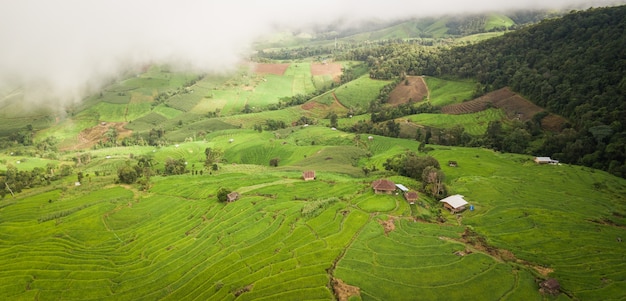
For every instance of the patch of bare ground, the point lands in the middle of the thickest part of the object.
(513, 105)
(344, 291)
(242, 290)
(262, 68)
(413, 89)
(389, 225)
(553, 123)
(332, 69)
(87, 138)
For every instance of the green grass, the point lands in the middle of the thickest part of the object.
(444, 92)
(359, 93)
(497, 20)
(474, 123)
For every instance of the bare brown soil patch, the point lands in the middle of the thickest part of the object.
(344, 291)
(87, 138)
(332, 69)
(513, 105)
(277, 69)
(543, 270)
(413, 89)
(389, 225)
(553, 123)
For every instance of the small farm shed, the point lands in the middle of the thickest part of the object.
(233, 196)
(308, 175)
(383, 186)
(550, 286)
(452, 163)
(454, 203)
(402, 188)
(545, 160)
(411, 197)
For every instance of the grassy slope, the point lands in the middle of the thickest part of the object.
(210, 250)
(474, 124)
(444, 92)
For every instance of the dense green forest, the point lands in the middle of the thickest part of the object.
(573, 66)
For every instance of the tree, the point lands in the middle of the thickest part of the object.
(432, 181)
(333, 120)
(127, 174)
(222, 194)
(112, 135)
(175, 166)
(212, 156)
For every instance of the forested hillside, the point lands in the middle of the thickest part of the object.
(573, 66)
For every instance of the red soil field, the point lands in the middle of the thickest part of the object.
(332, 69)
(415, 91)
(277, 69)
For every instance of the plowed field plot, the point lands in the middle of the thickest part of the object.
(278, 69)
(513, 105)
(91, 136)
(411, 90)
(332, 69)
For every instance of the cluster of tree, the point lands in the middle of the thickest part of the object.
(296, 53)
(141, 172)
(425, 169)
(380, 113)
(13, 180)
(212, 156)
(272, 125)
(23, 136)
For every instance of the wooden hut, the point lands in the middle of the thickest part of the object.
(233, 196)
(383, 186)
(411, 197)
(308, 175)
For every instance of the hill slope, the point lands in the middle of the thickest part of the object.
(574, 67)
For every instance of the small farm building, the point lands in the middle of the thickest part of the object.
(411, 197)
(383, 186)
(454, 203)
(550, 286)
(308, 175)
(545, 160)
(402, 188)
(452, 163)
(233, 196)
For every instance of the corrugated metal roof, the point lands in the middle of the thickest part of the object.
(402, 187)
(456, 201)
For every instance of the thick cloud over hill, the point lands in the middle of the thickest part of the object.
(59, 51)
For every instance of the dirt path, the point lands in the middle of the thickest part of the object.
(427, 90)
(337, 102)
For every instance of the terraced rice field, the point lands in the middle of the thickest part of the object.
(103, 241)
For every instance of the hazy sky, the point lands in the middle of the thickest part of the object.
(60, 50)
